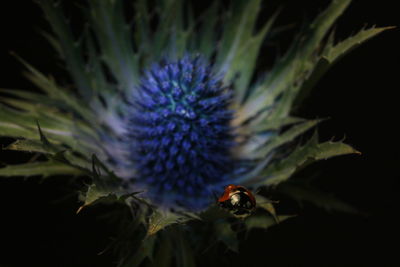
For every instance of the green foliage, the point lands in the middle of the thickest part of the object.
(311, 151)
(114, 37)
(268, 106)
(332, 53)
(306, 193)
(240, 46)
(226, 235)
(45, 169)
(264, 221)
(70, 48)
(161, 219)
(49, 122)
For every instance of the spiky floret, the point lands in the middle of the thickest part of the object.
(179, 132)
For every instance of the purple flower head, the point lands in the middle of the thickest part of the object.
(180, 134)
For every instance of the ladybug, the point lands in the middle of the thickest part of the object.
(238, 200)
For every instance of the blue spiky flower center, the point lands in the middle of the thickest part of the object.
(180, 132)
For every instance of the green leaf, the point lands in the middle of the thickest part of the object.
(282, 85)
(270, 125)
(29, 119)
(105, 186)
(214, 213)
(238, 28)
(310, 152)
(53, 151)
(52, 40)
(207, 34)
(226, 235)
(336, 52)
(332, 53)
(263, 221)
(96, 194)
(32, 146)
(13, 130)
(98, 168)
(278, 176)
(320, 26)
(113, 35)
(71, 51)
(142, 33)
(285, 137)
(48, 113)
(171, 25)
(267, 205)
(107, 195)
(306, 193)
(163, 255)
(183, 249)
(240, 46)
(331, 149)
(161, 219)
(45, 169)
(71, 105)
(146, 250)
(23, 124)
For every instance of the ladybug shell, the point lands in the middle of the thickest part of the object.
(238, 200)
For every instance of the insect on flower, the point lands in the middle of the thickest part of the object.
(238, 200)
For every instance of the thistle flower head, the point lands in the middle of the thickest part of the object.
(179, 133)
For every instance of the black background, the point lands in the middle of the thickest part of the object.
(38, 222)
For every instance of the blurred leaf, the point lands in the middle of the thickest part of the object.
(263, 221)
(46, 101)
(285, 137)
(45, 169)
(98, 168)
(331, 149)
(56, 94)
(146, 250)
(104, 187)
(171, 29)
(52, 41)
(332, 53)
(207, 34)
(267, 205)
(311, 151)
(46, 112)
(278, 91)
(29, 119)
(224, 233)
(142, 33)
(161, 219)
(214, 213)
(30, 146)
(183, 249)
(95, 194)
(13, 130)
(240, 45)
(306, 193)
(24, 124)
(268, 125)
(335, 52)
(113, 35)
(163, 255)
(71, 50)
(53, 151)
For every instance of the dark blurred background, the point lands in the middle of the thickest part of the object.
(38, 224)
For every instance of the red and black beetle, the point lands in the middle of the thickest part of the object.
(238, 200)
